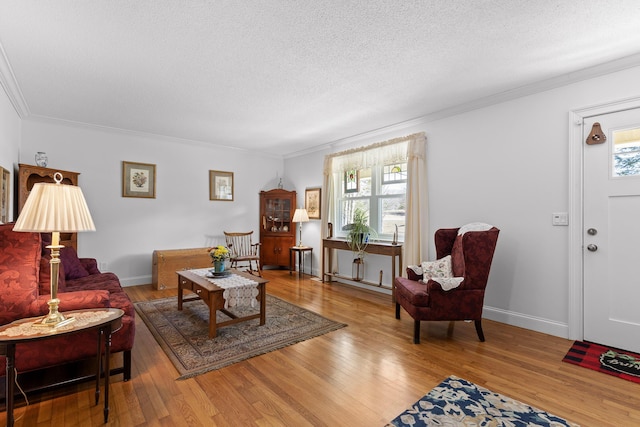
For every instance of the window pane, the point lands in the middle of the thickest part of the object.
(393, 214)
(395, 172)
(626, 152)
(399, 188)
(349, 207)
(363, 189)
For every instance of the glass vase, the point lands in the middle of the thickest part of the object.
(357, 269)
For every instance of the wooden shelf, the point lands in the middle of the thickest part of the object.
(377, 248)
(364, 282)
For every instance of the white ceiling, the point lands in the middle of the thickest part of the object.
(285, 76)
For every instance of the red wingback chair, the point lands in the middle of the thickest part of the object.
(471, 256)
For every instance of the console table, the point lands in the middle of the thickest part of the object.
(377, 248)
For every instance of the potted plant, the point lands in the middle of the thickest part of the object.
(218, 255)
(359, 233)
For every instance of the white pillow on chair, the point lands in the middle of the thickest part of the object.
(438, 268)
(441, 271)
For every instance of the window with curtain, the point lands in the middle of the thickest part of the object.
(380, 191)
(387, 179)
(372, 179)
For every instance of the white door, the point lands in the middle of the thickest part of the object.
(611, 249)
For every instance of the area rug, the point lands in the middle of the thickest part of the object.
(458, 402)
(184, 335)
(619, 363)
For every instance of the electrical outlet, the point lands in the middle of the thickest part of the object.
(102, 266)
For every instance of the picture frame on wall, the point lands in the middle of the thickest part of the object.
(5, 194)
(312, 202)
(221, 186)
(138, 180)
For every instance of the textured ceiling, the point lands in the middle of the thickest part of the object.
(285, 76)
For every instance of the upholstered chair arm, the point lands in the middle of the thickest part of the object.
(412, 274)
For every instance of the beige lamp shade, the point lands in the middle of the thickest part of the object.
(300, 215)
(55, 207)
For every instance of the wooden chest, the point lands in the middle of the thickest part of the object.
(167, 262)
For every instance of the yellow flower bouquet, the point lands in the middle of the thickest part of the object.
(219, 253)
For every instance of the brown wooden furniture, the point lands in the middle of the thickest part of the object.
(107, 321)
(277, 231)
(243, 250)
(300, 250)
(378, 248)
(5, 194)
(212, 296)
(167, 262)
(29, 175)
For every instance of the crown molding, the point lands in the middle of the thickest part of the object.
(11, 87)
(140, 134)
(542, 86)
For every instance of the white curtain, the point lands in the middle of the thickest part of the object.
(416, 238)
(410, 149)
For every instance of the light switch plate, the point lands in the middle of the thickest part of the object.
(560, 218)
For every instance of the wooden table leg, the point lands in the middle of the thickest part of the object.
(180, 279)
(262, 291)
(107, 370)
(99, 363)
(213, 303)
(290, 262)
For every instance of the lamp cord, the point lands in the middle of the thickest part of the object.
(21, 391)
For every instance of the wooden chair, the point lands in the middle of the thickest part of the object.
(243, 250)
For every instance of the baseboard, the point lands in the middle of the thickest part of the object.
(526, 321)
(134, 281)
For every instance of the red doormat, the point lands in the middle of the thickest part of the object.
(619, 363)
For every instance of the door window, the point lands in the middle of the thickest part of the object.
(626, 152)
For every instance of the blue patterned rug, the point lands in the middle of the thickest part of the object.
(457, 402)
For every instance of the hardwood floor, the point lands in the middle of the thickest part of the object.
(361, 375)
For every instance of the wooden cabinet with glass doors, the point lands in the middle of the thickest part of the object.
(277, 231)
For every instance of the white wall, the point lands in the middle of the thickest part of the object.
(9, 139)
(181, 215)
(505, 164)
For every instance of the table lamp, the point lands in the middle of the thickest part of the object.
(300, 216)
(55, 208)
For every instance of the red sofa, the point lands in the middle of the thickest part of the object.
(24, 292)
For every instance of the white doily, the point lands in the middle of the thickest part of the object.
(238, 290)
(81, 319)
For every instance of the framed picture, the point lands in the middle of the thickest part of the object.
(138, 180)
(221, 186)
(312, 201)
(5, 199)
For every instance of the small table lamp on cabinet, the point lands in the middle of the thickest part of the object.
(55, 208)
(300, 216)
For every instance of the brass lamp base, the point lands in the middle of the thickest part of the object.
(54, 319)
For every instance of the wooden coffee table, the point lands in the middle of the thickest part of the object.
(211, 294)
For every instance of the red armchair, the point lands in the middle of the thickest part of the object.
(471, 256)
